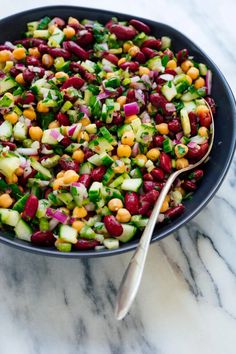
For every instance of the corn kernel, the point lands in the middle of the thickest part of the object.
(85, 121)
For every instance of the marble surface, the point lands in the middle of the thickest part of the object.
(186, 303)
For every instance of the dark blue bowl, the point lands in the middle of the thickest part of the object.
(225, 120)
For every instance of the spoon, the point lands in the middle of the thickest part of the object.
(133, 275)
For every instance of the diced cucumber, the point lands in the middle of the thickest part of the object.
(23, 231)
(136, 123)
(79, 194)
(136, 173)
(42, 207)
(139, 221)
(9, 217)
(132, 184)
(85, 168)
(94, 191)
(20, 131)
(123, 129)
(109, 175)
(145, 134)
(108, 193)
(185, 122)
(47, 138)
(190, 106)
(44, 224)
(72, 147)
(8, 165)
(43, 34)
(63, 246)
(188, 96)
(102, 159)
(111, 243)
(5, 130)
(50, 161)
(93, 220)
(117, 182)
(66, 198)
(68, 234)
(87, 232)
(38, 167)
(19, 205)
(167, 145)
(169, 90)
(99, 228)
(203, 69)
(155, 64)
(100, 145)
(91, 128)
(56, 38)
(165, 42)
(107, 135)
(6, 84)
(128, 233)
(6, 101)
(32, 26)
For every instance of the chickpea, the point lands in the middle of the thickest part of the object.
(181, 163)
(5, 201)
(29, 113)
(19, 53)
(19, 171)
(189, 79)
(162, 128)
(47, 60)
(121, 100)
(142, 158)
(203, 131)
(133, 51)
(69, 32)
(78, 225)
(143, 71)
(41, 107)
(73, 21)
(19, 79)
(70, 176)
(11, 117)
(202, 109)
(60, 75)
(127, 46)
(181, 150)
(193, 73)
(60, 174)
(119, 167)
(57, 183)
(171, 64)
(153, 154)
(5, 55)
(79, 213)
(129, 119)
(164, 207)
(85, 121)
(54, 124)
(200, 82)
(34, 52)
(123, 215)
(124, 151)
(115, 204)
(186, 65)
(121, 61)
(35, 133)
(78, 155)
(128, 138)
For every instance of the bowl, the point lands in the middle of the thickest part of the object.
(225, 121)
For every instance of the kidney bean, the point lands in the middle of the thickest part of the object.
(59, 52)
(140, 26)
(118, 119)
(194, 153)
(88, 153)
(165, 162)
(74, 81)
(140, 57)
(43, 238)
(85, 179)
(76, 49)
(110, 23)
(58, 21)
(5, 47)
(130, 65)
(11, 146)
(122, 32)
(182, 55)
(204, 148)
(66, 163)
(47, 192)
(85, 39)
(98, 173)
(147, 177)
(110, 57)
(30, 60)
(174, 126)
(28, 75)
(196, 174)
(99, 123)
(169, 53)
(84, 244)
(43, 48)
(158, 140)
(174, 212)
(189, 185)
(30, 208)
(89, 77)
(130, 96)
(145, 207)
(152, 43)
(205, 119)
(62, 118)
(66, 141)
(149, 185)
(131, 202)
(151, 196)
(193, 122)
(159, 118)
(148, 52)
(40, 73)
(157, 100)
(30, 42)
(14, 72)
(26, 98)
(211, 103)
(158, 174)
(113, 227)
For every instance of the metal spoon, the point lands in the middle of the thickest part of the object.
(133, 275)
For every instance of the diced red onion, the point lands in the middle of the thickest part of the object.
(10, 45)
(198, 139)
(27, 151)
(57, 214)
(175, 141)
(104, 95)
(135, 149)
(131, 109)
(23, 162)
(84, 109)
(208, 82)
(20, 67)
(179, 135)
(170, 107)
(56, 135)
(166, 77)
(192, 144)
(145, 117)
(72, 129)
(52, 224)
(140, 96)
(27, 171)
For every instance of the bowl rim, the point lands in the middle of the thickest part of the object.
(172, 227)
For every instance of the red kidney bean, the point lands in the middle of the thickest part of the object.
(113, 227)
(140, 26)
(14, 72)
(158, 174)
(43, 48)
(130, 96)
(149, 185)
(59, 52)
(194, 153)
(147, 177)
(84, 244)
(89, 77)
(30, 208)
(158, 100)
(58, 21)
(158, 140)
(74, 81)
(5, 47)
(62, 118)
(118, 119)
(152, 43)
(110, 57)
(165, 162)
(174, 212)
(43, 238)
(130, 65)
(122, 32)
(211, 103)
(110, 23)
(151, 196)
(40, 73)
(205, 119)
(78, 68)
(76, 49)
(85, 39)
(171, 72)
(28, 75)
(66, 141)
(189, 185)
(132, 202)
(204, 148)
(140, 57)
(99, 123)
(159, 118)
(169, 53)
(47, 192)
(145, 207)
(88, 153)
(196, 174)
(174, 126)
(27, 98)
(85, 179)
(66, 163)
(30, 42)
(98, 173)
(182, 55)
(30, 60)
(23, 180)
(11, 146)
(193, 122)
(149, 53)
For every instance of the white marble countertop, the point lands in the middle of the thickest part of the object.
(186, 303)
